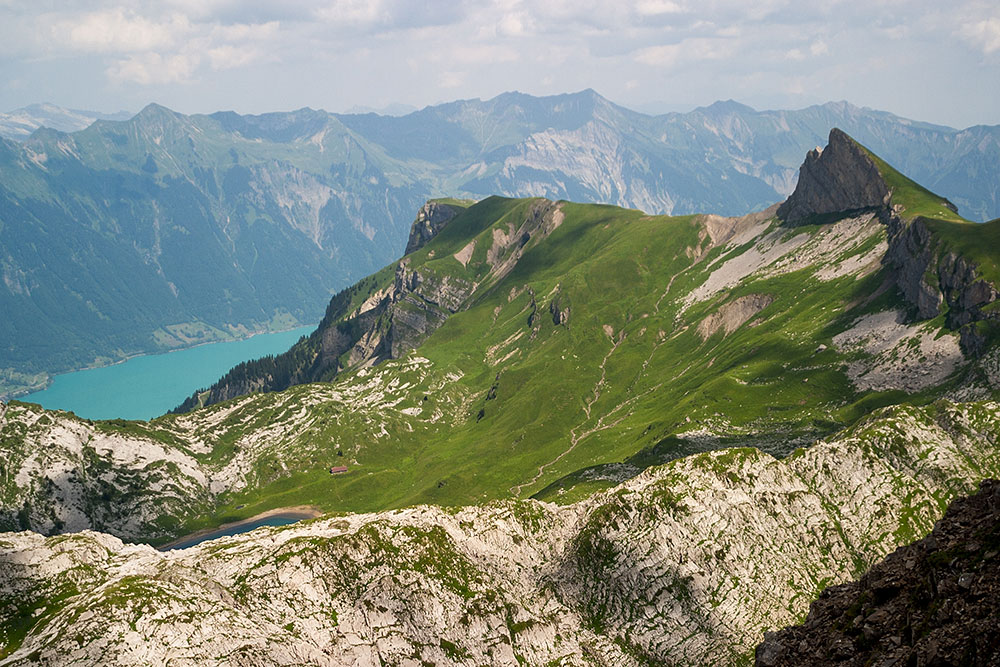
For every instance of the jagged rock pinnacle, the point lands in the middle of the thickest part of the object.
(431, 219)
(837, 179)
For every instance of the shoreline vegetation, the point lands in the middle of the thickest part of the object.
(296, 513)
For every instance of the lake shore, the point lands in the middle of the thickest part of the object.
(298, 512)
(17, 394)
(147, 386)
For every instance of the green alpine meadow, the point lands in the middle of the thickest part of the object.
(167, 230)
(552, 433)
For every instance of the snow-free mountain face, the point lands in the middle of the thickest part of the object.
(531, 347)
(167, 230)
(669, 434)
(20, 123)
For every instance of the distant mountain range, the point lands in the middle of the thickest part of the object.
(20, 123)
(669, 434)
(165, 230)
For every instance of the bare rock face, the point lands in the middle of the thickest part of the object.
(840, 178)
(687, 563)
(431, 219)
(930, 603)
(733, 315)
(910, 256)
(935, 281)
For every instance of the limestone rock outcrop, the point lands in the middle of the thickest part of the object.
(431, 219)
(929, 603)
(689, 563)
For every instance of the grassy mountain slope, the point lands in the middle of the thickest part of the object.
(227, 223)
(533, 348)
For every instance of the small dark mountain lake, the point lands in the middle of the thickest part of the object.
(281, 519)
(148, 386)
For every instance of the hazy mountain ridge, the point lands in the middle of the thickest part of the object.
(189, 233)
(603, 362)
(19, 124)
(210, 209)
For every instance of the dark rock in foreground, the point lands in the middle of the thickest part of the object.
(934, 602)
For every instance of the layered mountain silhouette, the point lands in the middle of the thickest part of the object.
(226, 224)
(551, 432)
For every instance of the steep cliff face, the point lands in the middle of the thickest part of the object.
(929, 603)
(936, 279)
(431, 219)
(838, 179)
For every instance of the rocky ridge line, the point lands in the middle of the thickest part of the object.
(689, 562)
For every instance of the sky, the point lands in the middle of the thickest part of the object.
(922, 59)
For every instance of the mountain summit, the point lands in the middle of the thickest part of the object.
(839, 179)
(671, 432)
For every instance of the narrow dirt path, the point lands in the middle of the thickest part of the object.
(576, 437)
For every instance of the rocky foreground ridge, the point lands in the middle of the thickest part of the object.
(933, 602)
(689, 562)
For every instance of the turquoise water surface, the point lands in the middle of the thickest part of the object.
(148, 386)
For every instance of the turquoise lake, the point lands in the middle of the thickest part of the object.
(148, 386)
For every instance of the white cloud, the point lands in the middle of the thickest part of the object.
(451, 79)
(689, 50)
(245, 31)
(118, 31)
(352, 12)
(657, 7)
(155, 48)
(152, 68)
(513, 25)
(819, 48)
(984, 34)
(475, 54)
(228, 56)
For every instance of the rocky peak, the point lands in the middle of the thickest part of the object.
(840, 178)
(431, 219)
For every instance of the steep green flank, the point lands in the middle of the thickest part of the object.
(915, 199)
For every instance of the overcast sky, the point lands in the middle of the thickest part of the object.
(927, 60)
